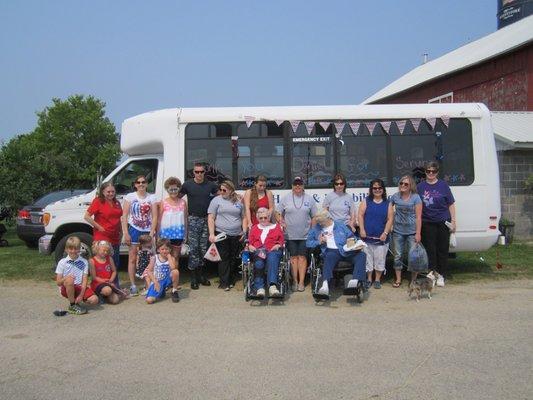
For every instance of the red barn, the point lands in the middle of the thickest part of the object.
(496, 70)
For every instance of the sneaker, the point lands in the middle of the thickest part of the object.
(134, 291)
(367, 285)
(261, 292)
(352, 283)
(227, 289)
(324, 289)
(273, 291)
(377, 285)
(440, 281)
(295, 287)
(175, 296)
(143, 292)
(76, 309)
(301, 288)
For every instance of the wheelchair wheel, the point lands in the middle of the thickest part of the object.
(246, 277)
(315, 274)
(360, 295)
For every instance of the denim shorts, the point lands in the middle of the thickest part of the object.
(135, 234)
(297, 248)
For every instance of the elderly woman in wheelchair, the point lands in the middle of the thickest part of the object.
(266, 243)
(337, 244)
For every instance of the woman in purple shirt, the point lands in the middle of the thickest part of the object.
(438, 207)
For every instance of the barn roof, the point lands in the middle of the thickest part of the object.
(513, 129)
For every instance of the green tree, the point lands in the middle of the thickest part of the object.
(72, 141)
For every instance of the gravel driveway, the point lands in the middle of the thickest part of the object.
(470, 341)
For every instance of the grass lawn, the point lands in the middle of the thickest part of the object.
(516, 261)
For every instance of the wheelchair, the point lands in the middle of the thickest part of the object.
(342, 272)
(248, 276)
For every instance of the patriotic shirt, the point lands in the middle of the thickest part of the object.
(161, 269)
(140, 215)
(77, 268)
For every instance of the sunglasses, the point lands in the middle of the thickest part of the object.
(140, 182)
(173, 190)
(262, 218)
(223, 190)
(377, 188)
(339, 183)
(199, 172)
(431, 171)
(404, 183)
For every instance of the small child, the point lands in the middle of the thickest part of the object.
(144, 255)
(163, 274)
(103, 273)
(72, 276)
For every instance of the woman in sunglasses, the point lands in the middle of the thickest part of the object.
(294, 213)
(226, 215)
(407, 208)
(375, 221)
(340, 204)
(139, 218)
(437, 209)
(173, 217)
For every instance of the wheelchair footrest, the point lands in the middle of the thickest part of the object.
(319, 296)
(276, 297)
(350, 291)
(255, 297)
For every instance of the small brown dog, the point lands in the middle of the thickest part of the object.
(425, 284)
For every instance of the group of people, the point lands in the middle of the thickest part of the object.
(414, 214)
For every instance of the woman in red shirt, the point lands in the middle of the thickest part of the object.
(256, 197)
(104, 215)
(266, 240)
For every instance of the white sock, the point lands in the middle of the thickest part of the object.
(325, 285)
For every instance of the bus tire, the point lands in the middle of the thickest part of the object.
(86, 242)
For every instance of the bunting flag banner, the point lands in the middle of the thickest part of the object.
(324, 125)
(370, 126)
(386, 125)
(339, 126)
(431, 122)
(416, 123)
(249, 120)
(279, 122)
(309, 126)
(445, 120)
(401, 126)
(294, 125)
(355, 127)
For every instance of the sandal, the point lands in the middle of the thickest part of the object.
(396, 284)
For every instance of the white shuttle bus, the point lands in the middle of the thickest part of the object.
(362, 142)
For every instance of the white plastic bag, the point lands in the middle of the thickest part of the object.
(453, 241)
(212, 253)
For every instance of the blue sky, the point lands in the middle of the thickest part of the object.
(139, 56)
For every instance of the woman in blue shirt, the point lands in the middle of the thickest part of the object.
(375, 221)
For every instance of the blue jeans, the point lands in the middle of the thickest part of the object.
(401, 243)
(116, 260)
(272, 262)
(332, 258)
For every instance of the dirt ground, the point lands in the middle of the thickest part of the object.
(470, 341)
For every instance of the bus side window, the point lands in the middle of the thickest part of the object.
(124, 180)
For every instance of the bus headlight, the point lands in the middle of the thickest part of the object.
(46, 218)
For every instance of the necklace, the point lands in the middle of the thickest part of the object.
(294, 203)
